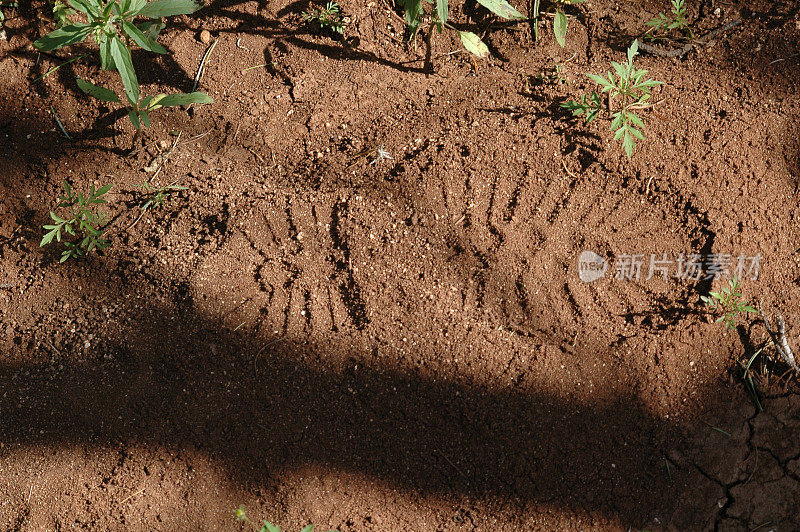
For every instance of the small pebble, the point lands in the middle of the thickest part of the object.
(205, 36)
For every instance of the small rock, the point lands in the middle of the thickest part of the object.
(163, 144)
(3, 36)
(205, 36)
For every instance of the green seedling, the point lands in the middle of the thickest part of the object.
(82, 222)
(241, 517)
(729, 302)
(661, 24)
(437, 18)
(747, 377)
(139, 110)
(328, 17)
(628, 92)
(116, 25)
(560, 19)
(157, 195)
(553, 76)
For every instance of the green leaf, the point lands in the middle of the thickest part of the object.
(168, 8)
(101, 93)
(628, 143)
(172, 100)
(122, 60)
(102, 190)
(106, 61)
(136, 6)
(442, 10)
(134, 119)
(502, 9)
(634, 118)
(48, 237)
(560, 28)
(309, 528)
(633, 50)
(63, 37)
(473, 44)
(600, 80)
(85, 7)
(269, 527)
(141, 39)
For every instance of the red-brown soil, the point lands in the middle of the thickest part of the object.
(403, 345)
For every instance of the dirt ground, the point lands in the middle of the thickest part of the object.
(400, 344)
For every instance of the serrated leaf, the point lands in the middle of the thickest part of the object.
(169, 8)
(103, 190)
(502, 9)
(633, 50)
(628, 143)
(101, 93)
(473, 44)
(560, 27)
(634, 118)
(600, 80)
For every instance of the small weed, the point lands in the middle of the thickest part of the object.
(560, 20)
(747, 377)
(661, 24)
(241, 517)
(628, 92)
(328, 17)
(83, 222)
(554, 76)
(139, 110)
(156, 195)
(729, 302)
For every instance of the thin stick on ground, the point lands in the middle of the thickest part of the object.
(166, 157)
(201, 68)
(779, 339)
(685, 49)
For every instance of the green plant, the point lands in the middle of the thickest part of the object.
(139, 110)
(329, 17)
(560, 20)
(115, 25)
(83, 222)
(155, 196)
(241, 516)
(747, 377)
(628, 92)
(662, 24)
(415, 15)
(729, 302)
